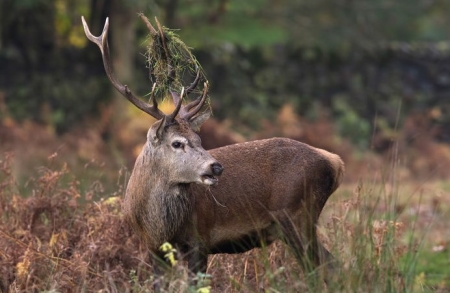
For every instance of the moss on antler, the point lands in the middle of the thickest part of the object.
(170, 60)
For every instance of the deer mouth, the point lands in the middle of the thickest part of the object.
(209, 179)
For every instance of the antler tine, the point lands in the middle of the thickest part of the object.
(174, 114)
(152, 96)
(175, 97)
(193, 107)
(150, 27)
(102, 42)
(194, 84)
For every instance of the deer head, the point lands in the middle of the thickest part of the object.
(173, 146)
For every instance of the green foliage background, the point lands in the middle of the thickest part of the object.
(351, 61)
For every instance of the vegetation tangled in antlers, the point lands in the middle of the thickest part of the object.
(169, 59)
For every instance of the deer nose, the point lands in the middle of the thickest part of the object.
(217, 169)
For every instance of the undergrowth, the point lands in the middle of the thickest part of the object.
(54, 237)
(49, 241)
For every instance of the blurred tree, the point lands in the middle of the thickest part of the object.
(44, 70)
(258, 55)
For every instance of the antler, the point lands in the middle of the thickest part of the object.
(102, 43)
(186, 112)
(191, 109)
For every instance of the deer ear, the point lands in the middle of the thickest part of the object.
(197, 121)
(157, 130)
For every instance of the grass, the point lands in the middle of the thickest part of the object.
(433, 269)
(57, 236)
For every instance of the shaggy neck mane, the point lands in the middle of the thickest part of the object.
(156, 208)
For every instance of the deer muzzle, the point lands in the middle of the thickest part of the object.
(210, 178)
(217, 169)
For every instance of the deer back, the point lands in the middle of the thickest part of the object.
(263, 181)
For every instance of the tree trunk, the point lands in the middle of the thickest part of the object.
(123, 42)
(170, 8)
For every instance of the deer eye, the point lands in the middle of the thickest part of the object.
(177, 145)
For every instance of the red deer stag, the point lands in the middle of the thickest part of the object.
(270, 189)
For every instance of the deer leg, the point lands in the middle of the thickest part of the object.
(311, 241)
(328, 262)
(197, 263)
(316, 251)
(300, 234)
(160, 267)
(292, 236)
(197, 259)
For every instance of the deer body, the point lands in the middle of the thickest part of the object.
(265, 182)
(270, 189)
(274, 188)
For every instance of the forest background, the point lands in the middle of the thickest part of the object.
(368, 80)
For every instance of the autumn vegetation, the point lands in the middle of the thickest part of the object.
(62, 228)
(367, 80)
